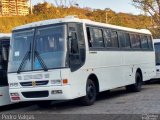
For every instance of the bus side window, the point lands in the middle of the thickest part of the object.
(89, 37)
(107, 37)
(95, 37)
(128, 42)
(124, 39)
(114, 38)
(150, 42)
(144, 41)
(135, 41)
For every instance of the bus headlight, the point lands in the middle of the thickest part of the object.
(13, 84)
(14, 94)
(56, 82)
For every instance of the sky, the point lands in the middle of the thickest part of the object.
(116, 5)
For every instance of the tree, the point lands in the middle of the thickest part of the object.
(152, 7)
(42, 8)
(45, 11)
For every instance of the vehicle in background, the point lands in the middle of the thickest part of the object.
(157, 55)
(4, 50)
(68, 58)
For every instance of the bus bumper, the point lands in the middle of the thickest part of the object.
(41, 93)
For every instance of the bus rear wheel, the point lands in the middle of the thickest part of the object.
(138, 84)
(91, 93)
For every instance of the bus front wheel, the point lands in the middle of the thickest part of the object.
(91, 93)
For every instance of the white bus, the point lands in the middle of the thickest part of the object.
(157, 54)
(68, 58)
(4, 50)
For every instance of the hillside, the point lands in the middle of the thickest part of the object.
(43, 12)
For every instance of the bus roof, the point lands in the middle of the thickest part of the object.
(5, 35)
(75, 19)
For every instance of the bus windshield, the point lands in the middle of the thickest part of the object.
(50, 44)
(20, 44)
(38, 49)
(157, 51)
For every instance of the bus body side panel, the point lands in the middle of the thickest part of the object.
(117, 68)
(77, 81)
(4, 96)
(142, 60)
(112, 68)
(106, 66)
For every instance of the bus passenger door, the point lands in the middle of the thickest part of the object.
(76, 46)
(74, 59)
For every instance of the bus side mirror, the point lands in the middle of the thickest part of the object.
(4, 53)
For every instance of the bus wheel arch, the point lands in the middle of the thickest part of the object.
(94, 78)
(92, 88)
(136, 87)
(140, 72)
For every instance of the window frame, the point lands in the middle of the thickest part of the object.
(118, 44)
(150, 40)
(142, 36)
(101, 29)
(135, 35)
(119, 47)
(124, 35)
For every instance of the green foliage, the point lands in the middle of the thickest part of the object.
(48, 11)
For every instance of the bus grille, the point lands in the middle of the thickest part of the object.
(37, 76)
(37, 83)
(35, 94)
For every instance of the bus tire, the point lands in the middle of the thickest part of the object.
(44, 104)
(138, 84)
(91, 93)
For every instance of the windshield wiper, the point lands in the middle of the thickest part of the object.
(41, 60)
(27, 56)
